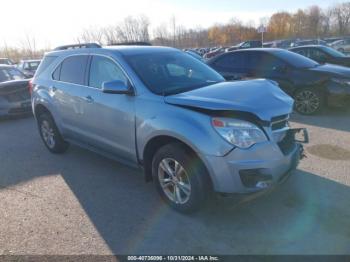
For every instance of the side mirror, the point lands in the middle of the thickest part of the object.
(116, 87)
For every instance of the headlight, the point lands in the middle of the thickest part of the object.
(239, 133)
(341, 81)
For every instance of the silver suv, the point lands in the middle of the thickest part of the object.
(162, 110)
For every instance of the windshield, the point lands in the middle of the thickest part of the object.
(5, 61)
(8, 74)
(172, 72)
(332, 52)
(296, 60)
(32, 65)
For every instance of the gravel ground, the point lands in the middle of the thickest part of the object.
(81, 203)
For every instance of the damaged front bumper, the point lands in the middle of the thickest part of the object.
(259, 167)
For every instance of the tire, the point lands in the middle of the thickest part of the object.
(188, 191)
(50, 134)
(309, 101)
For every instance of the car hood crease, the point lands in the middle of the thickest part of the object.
(260, 97)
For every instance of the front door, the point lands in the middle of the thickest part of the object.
(110, 118)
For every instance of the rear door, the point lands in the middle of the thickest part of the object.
(69, 92)
(109, 118)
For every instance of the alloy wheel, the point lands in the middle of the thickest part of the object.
(48, 134)
(307, 102)
(174, 181)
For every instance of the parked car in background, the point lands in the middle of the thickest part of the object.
(323, 54)
(284, 44)
(268, 44)
(6, 61)
(341, 45)
(195, 55)
(214, 53)
(159, 108)
(14, 92)
(331, 40)
(245, 45)
(308, 42)
(313, 86)
(29, 67)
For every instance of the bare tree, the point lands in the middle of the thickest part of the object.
(173, 28)
(314, 21)
(133, 30)
(341, 14)
(28, 46)
(161, 34)
(91, 35)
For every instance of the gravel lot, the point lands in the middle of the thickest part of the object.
(81, 203)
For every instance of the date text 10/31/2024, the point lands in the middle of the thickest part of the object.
(173, 258)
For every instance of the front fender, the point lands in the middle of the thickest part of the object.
(190, 127)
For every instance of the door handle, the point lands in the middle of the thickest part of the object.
(89, 99)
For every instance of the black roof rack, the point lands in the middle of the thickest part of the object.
(77, 46)
(132, 43)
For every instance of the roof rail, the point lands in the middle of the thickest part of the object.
(132, 43)
(77, 46)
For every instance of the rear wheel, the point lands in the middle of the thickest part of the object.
(51, 135)
(180, 178)
(309, 101)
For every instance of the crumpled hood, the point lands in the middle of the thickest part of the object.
(334, 70)
(260, 97)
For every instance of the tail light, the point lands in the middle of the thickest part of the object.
(30, 86)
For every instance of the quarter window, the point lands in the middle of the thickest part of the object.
(103, 70)
(47, 61)
(56, 74)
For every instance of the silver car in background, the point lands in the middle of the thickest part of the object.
(164, 111)
(14, 92)
(29, 67)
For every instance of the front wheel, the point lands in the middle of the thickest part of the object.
(309, 101)
(180, 178)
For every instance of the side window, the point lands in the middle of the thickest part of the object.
(246, 45)
(302, 52)
(253, 60)
(73, 69)
(270, 62)
(102, 70)
(232, 61)
(317, 54)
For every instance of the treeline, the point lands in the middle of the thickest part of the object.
(312, 22)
